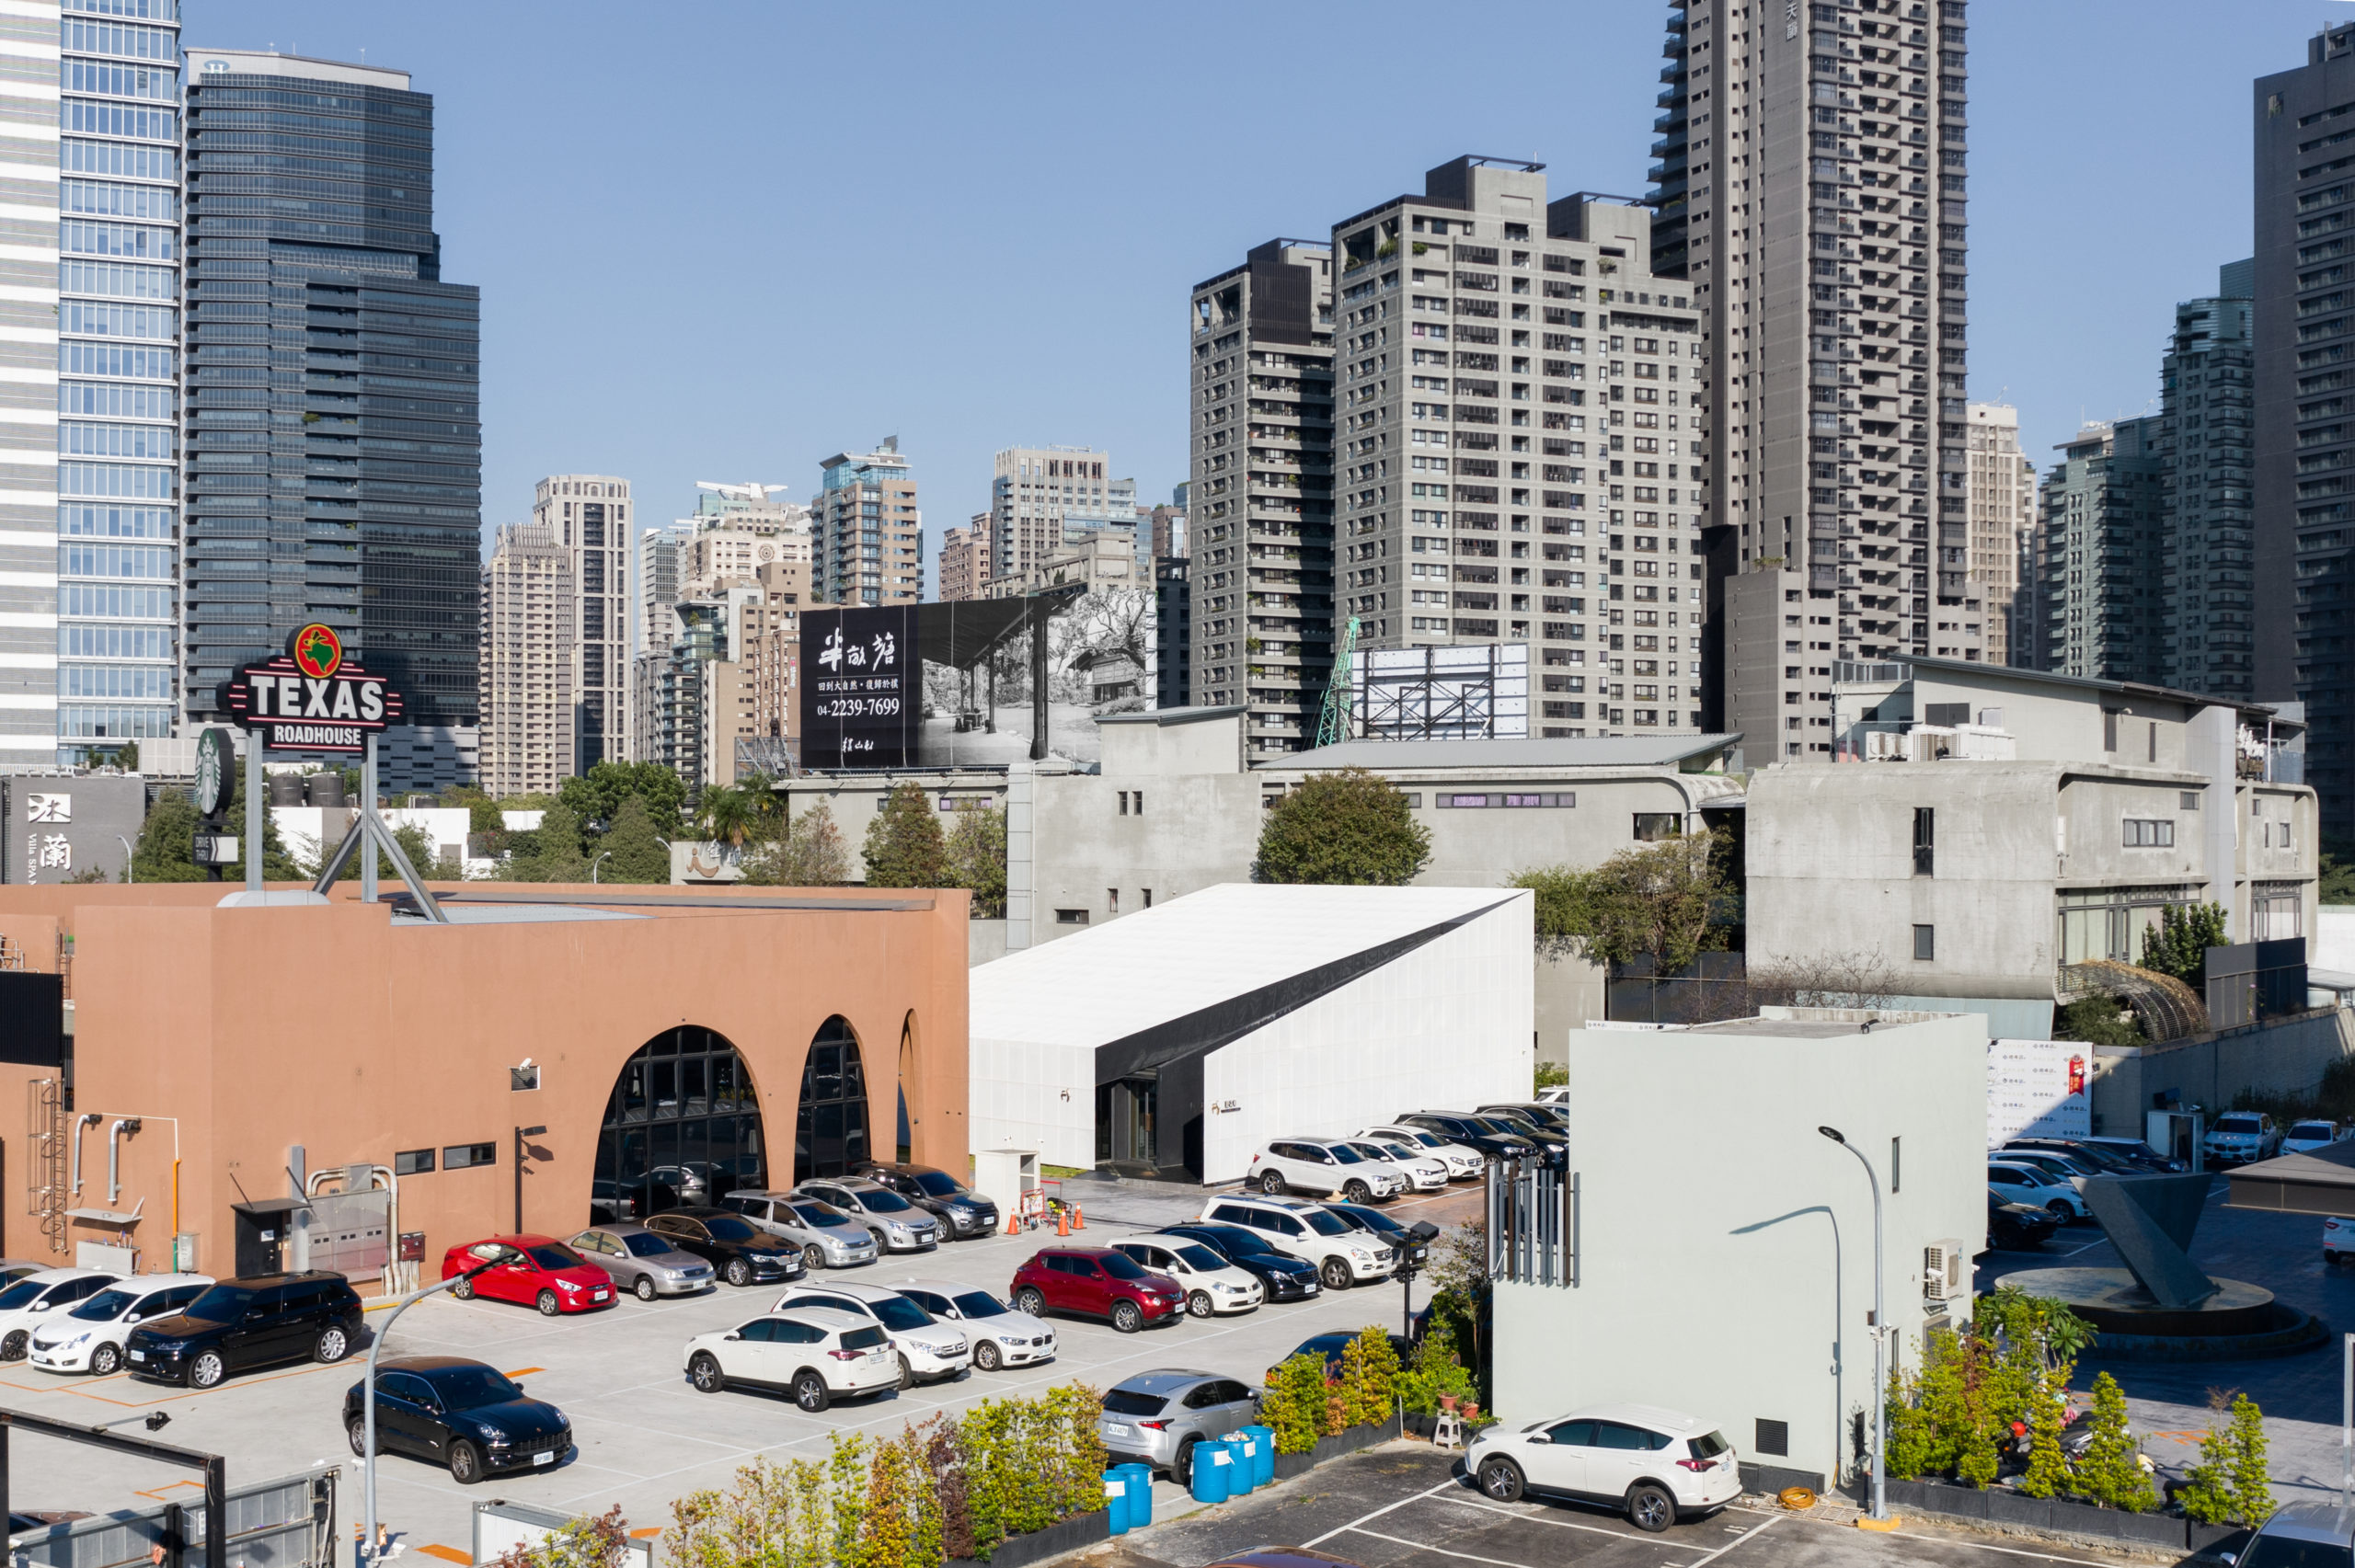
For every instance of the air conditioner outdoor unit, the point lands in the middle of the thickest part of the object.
(1946, 1271)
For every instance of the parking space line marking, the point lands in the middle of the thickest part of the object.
(525, 1371)
(1773, 1514)
(1746, 1535)
(1442, 1486)
(1541, 1518)
(449, 1554)
(1419, 1546)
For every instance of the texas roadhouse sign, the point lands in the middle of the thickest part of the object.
(311, 698)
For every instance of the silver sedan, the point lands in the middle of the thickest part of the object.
(827, 1238)
(642, 1261)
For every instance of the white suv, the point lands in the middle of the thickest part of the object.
(1655, 1463)
(1343, 1254)
(816, 1356)
(930, 1352)
(2240, 1136)
(1325, 1166)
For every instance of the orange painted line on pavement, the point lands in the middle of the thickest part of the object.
(158, 1494)
(449, 1554)
(525, 1371)
(648, 1533)
(198, 1393)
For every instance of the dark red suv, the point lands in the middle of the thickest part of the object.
(1096, 1282)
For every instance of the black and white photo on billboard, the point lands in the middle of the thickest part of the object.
(1100, 661)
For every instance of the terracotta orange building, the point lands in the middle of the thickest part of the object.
(751, 1036)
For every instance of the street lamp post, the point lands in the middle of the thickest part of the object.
(127, 868)
(594, 864)
(368, 1397)
(521, 1134)
(1881, 1328)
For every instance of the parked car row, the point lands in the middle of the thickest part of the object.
(905, 1206)
(1416, 1151)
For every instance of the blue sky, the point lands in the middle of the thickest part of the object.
(724, 240)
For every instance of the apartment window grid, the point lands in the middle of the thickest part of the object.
(117, 284)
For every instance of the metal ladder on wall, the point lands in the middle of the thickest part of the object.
(45, 1163)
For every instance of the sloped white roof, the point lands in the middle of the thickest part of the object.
(1111, 980)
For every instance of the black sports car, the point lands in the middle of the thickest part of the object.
(2016, 1227)
(457, 1412)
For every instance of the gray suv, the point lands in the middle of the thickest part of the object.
(2297, 1535)
(827, 1238)
(1156, 1418)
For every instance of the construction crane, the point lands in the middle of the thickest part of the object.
(1333, 727)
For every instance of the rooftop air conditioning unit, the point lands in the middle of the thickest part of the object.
(1884, 746)
(1946, 1272)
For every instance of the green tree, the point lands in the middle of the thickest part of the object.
(584, 1542)
(635, 853)
(1348, 827)
(596, 795)
(2207, 1489)
(904, 846)
(1668, 901)
(2111, 1472)
(2252, 1487)
(2097, 1021)
(977, 859)
(551, 852)
(2048, 1466)
(808, 853)
(1370, 1377)
(167, 851)
(2179, 945)
(735, 814)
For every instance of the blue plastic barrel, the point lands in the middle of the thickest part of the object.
(1247, 1464)
(1264, 1461)
(1140, 1494)
(1212, 1460)
(1116, 1499)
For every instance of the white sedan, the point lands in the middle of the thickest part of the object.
(1425, 1172)
(1213, 1287)
(27, 1304)
(88, 1337)
(1001, 1337)
(1461, 1163)
(2037, 1189)
(2307, 1137)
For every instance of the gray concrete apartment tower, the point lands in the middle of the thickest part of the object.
(2304, 307)
(1512, 413)
(2207, 450)
(1810, 186)
(588, 514)
(1259, 476)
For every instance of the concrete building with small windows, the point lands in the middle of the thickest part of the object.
(2000, 826)
(1175, 803)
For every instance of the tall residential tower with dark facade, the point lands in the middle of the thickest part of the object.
(1811, 183)
(2304, 526)
(333, 429)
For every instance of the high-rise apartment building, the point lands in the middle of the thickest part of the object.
(2001, 496)
(1261, 479)
(1811, 186)
(588, 516)
(965, 560)
(736, 530)
(2099, 538)
(1513, 405)
(1033, 491)
(116, 319)
(334, 445)
(30, 551)
(661, 553)
(2305, 317)
(1173, 633)
(867, 534)
(531, 629)
(2207, 445)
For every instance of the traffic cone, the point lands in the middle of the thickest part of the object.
(1013, 1223)
(1078, 1218)
(1062, 1222)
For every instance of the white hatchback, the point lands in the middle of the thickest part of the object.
(32, 1300)
(88, 1337)
(1659, 1465)
(2037, 1189)
(1213, 1287)
(1001, 1337)
(816, 1354)
(1423, 1173)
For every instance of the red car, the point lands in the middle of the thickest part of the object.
(538, 1271)
(1096, 1282)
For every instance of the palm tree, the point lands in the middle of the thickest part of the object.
(729, 813)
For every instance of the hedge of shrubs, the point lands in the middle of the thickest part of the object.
(1306, 1400)
(946, 1488)
(2009, 1370)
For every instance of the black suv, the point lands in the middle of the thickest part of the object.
(241, 1324)
(1493, 1137)
(962, 1212)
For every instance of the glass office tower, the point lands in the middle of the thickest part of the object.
(118, 282)
(334, 443)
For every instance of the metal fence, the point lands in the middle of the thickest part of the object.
(288, 1523)
(1533, 1229)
